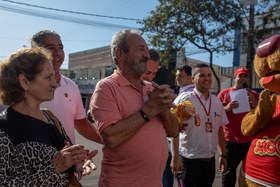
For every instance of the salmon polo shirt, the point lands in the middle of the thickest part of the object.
(140, 161)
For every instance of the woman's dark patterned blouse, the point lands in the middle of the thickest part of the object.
(27, 146)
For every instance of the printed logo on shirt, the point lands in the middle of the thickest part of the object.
(216, 115)
(267, 147)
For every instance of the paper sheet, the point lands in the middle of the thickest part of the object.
(241, 97)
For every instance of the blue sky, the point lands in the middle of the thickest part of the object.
(17, 29)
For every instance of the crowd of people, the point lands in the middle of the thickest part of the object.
(142, 143)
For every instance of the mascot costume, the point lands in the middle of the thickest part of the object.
(261, 166)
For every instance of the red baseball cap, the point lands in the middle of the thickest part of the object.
(240, 71)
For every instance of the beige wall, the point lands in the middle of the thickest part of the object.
(90, 59)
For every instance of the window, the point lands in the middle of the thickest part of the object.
(72, 74)
(244, 43)
(109, 71)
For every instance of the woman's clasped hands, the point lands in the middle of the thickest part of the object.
(74, 155)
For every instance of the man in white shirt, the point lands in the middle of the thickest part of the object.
(184, 80)
(194, 151)
(67, 102)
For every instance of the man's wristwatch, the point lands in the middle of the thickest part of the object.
(144, 115)
(224, 156)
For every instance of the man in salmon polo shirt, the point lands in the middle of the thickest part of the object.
(237, 145)
(133, 118)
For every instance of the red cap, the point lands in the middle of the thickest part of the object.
(241, 70)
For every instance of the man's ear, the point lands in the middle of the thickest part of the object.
(119, 54)
(192, 79)
(189, 77)
(23, 81)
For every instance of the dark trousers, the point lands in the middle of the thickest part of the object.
(236, 153)
(168, 177)
(198, 173)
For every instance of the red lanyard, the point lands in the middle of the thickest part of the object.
(207, 113)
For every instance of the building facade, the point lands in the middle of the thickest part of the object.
(241, 46)
(86, 68)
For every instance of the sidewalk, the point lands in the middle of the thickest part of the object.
(92, 180)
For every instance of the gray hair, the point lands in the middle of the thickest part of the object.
(36, 39)
(119, 40)
(154, 56)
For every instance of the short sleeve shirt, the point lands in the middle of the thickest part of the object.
(195, 142)
(233, 129)
(140, 161)
(66, 105)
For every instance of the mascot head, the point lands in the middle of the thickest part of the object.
(267, 63)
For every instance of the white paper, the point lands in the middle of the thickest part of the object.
(241, 97)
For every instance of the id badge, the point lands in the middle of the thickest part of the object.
(208, 126)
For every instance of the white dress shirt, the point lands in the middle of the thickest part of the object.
(195, 142)
(187, 88)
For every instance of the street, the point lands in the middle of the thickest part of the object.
(92, 179)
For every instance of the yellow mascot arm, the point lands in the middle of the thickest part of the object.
(257, 119)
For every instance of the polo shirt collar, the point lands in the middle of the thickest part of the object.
(232, 89)
(62, 81)
(186, 87)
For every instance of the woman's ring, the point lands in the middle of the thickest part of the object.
(75, 158)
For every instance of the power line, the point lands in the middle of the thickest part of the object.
(116, 6)
(195, 52)
(73, 12)
(62, 18)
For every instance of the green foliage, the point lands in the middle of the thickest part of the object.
(208, 24)
(270, 15)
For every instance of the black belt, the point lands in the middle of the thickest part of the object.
(204, 159)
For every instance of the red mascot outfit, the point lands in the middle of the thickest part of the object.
(262, 164)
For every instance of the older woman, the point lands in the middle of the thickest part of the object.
(32, 150)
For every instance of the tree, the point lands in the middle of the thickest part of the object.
(269, 9)
(207, 24)
(269, 13)
(261, 19)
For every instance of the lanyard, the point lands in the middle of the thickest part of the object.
(207, 113)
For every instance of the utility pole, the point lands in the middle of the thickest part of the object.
(250, 37)
(250, 47)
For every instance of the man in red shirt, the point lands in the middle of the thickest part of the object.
(237, 144)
